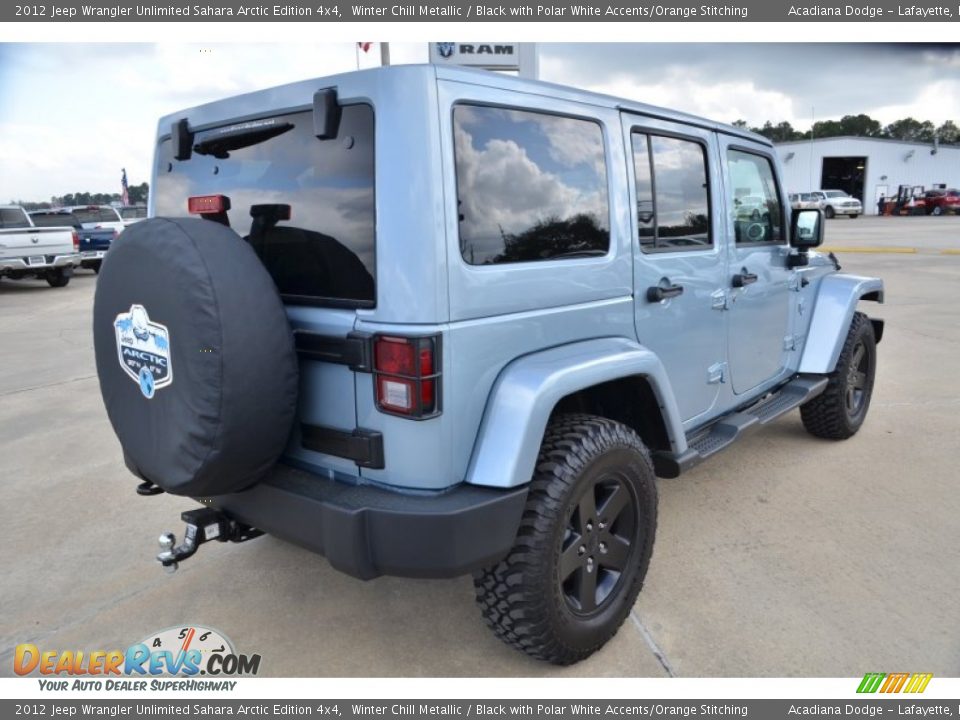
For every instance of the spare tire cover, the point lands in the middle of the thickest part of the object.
(195, 356)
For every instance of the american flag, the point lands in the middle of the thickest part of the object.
(124, 190)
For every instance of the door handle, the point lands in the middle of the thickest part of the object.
(657, 293)
(743, 279)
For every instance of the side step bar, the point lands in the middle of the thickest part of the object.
(730, 428)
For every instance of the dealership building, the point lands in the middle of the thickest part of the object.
(867, 167)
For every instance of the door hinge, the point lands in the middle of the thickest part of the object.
(717, 373)
(792, 342)
(718, 299)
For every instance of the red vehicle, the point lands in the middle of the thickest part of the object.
(942, 202)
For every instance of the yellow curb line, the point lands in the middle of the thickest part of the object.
(950, 252)
(894, 250)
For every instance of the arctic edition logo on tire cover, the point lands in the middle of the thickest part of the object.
(144, 350)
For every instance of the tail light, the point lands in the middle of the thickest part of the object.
(208, 204)
(407, 376)
(76, 241)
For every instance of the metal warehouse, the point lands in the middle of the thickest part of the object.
(867, 167)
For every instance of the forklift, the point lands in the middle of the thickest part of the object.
(910, 200)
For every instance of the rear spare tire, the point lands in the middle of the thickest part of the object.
(195, 356)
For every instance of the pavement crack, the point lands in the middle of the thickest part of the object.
(48, 385)
(652, 644)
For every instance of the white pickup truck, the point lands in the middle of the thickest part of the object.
(45, 253)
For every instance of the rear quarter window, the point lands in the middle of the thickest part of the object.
(11, 218)
(530, 186)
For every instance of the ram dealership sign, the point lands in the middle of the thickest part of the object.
(488, 55)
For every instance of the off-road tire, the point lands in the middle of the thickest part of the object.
(829, 212)
(523, 597)
(57, 278)
(829, 415)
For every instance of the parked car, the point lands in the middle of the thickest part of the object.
(465, 357)
(27, 251)
(837, 202)
(804, 201)
(133, 213)
(943, 202)
(94, 243)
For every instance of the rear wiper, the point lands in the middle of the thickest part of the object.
(220, 142)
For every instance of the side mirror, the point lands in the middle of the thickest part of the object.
(806, 229)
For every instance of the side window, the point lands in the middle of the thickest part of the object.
(530, 186)
(755, 203)
(673, 202)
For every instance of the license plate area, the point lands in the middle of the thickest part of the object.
(36, 260)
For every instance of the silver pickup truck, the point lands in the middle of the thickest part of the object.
(47, 253)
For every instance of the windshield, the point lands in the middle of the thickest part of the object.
(835, 194)
(306, 206)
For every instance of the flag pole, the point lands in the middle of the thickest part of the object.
(384, 54)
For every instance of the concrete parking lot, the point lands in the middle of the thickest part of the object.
(784, 556)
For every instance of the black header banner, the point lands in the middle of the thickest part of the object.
(332, 11)
(432, 709)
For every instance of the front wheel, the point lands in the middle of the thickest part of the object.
(829, 212)
(937, 210)
(840, 410)
(583, 546)
(853, 216)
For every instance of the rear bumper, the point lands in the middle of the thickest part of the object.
(366, 531)
(22, 264)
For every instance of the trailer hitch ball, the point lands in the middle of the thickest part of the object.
(167, 541)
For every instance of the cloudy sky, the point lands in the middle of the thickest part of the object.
(73, 114)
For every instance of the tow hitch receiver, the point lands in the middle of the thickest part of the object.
(203, 525)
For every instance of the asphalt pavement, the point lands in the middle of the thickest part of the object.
(783, 556)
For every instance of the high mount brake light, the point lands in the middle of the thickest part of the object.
(406, 375)
(208, 204)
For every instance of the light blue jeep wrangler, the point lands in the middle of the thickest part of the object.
(429, 321)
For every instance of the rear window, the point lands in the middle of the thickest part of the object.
(13, 218)
(55, 220)
(133, 213)
(325, 252)
(95, 215)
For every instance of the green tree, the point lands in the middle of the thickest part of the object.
(949, 133)
(781, 132)
(860, 126)
(910, 129)
(139, 193)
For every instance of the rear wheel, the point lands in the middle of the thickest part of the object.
(583, 546)
(854, 216)
(58, 278)
(840, 410)
(937, 210)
